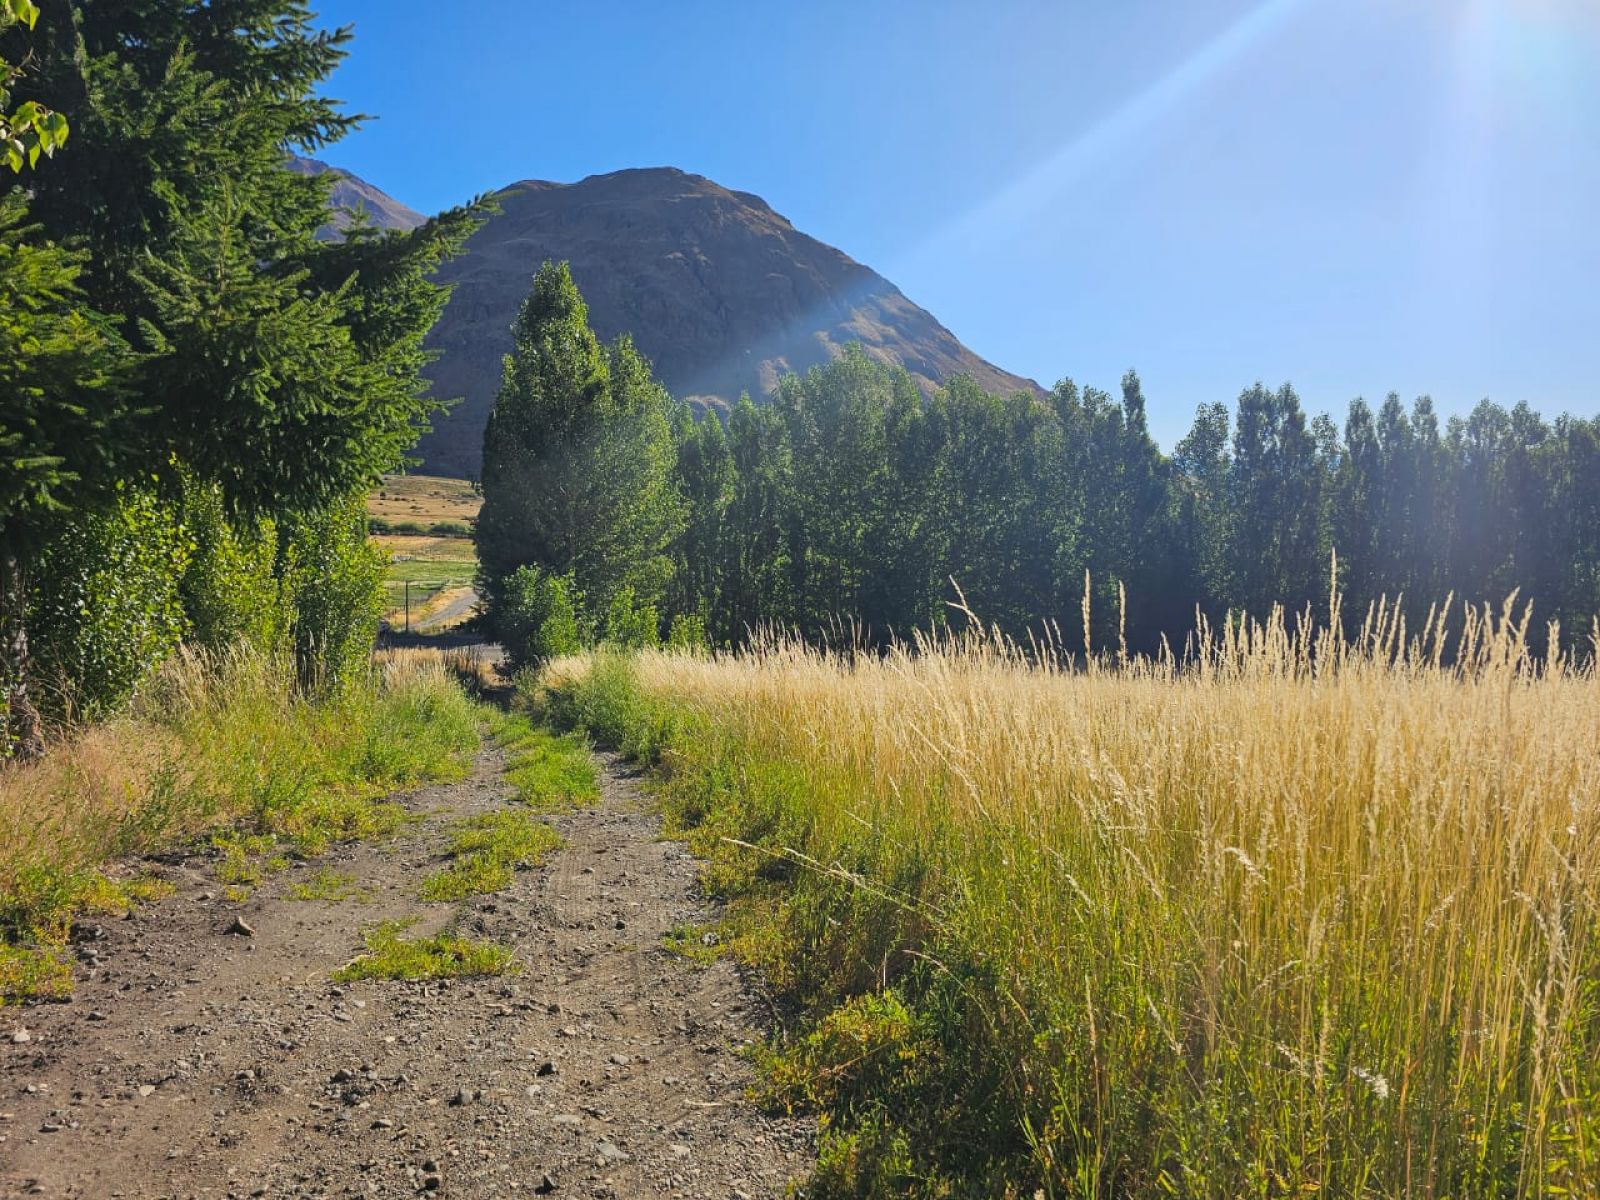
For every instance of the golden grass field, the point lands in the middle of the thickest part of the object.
(425, 499)
(1305, 917)
(439, 568)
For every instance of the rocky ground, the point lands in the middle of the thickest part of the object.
(197, 1062)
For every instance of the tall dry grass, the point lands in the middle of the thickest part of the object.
(1301, 915)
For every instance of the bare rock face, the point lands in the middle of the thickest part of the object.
(722, 295)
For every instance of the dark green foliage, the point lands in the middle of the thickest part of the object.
(846, 508)
(194, 332)
(578, 459)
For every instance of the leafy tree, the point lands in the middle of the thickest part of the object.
(62, 416)
(30, 129)
(1277, 492)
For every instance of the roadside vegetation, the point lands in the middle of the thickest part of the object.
(1300, 916)
(224, 749)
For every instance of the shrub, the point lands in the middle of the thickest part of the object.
(334, 580)
(537, 616)
(230, 591)
(632, 623)
(107, 608)
(449, 529)
(688, 634)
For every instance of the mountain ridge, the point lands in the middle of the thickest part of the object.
(720, 291)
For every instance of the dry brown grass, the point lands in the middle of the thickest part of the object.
(425, 499)
(1304, 916)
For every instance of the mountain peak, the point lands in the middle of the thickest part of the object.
(721, 293)
(351, 196)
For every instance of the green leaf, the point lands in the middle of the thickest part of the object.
(25, 11)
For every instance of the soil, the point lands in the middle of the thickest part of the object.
(198, 1062)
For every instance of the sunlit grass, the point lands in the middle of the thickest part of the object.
(1301, 917)
(485, 853)
(389, 955)
(221, 747)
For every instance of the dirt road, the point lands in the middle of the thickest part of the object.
(195, 1062)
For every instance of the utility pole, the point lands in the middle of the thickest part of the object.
(408, 606)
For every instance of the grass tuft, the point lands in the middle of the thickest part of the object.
(486, 851)
(328, 884)
(549, 771)
(391, 956)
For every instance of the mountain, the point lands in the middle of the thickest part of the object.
(720, 293)
(351, 196)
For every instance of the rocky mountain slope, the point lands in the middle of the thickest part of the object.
(721, 293)
(352, 195)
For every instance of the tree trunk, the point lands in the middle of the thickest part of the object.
(20, 735)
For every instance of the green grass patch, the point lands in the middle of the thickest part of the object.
(36, 916)
(548, 770)
(328, 884)
(701, 944)
(391, 956)
(486, 851)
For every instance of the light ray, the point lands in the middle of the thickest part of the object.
(1032, 191)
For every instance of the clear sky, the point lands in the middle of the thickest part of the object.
(1356, 196)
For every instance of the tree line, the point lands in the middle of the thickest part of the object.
(611, 512)
(195, 392)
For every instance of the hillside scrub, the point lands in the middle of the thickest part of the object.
(225, 745)
(1300, 916)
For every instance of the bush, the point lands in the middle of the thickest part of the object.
(379, 525)
(631, 623)
(537, 616)
(107, 608)
(449, 529)
(334, 581)
(688, 634)
(230, 592)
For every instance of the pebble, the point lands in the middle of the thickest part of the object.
(240, 928)
(21, 1037)
(147, 1089)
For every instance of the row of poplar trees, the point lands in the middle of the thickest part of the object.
(853, 505)
(194, 390)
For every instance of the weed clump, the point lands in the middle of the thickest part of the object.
(486, 851)
(549, 771)
(389, 955)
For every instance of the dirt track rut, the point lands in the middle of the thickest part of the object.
(195, 1063)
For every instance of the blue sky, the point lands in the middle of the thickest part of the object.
(1352, 195)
